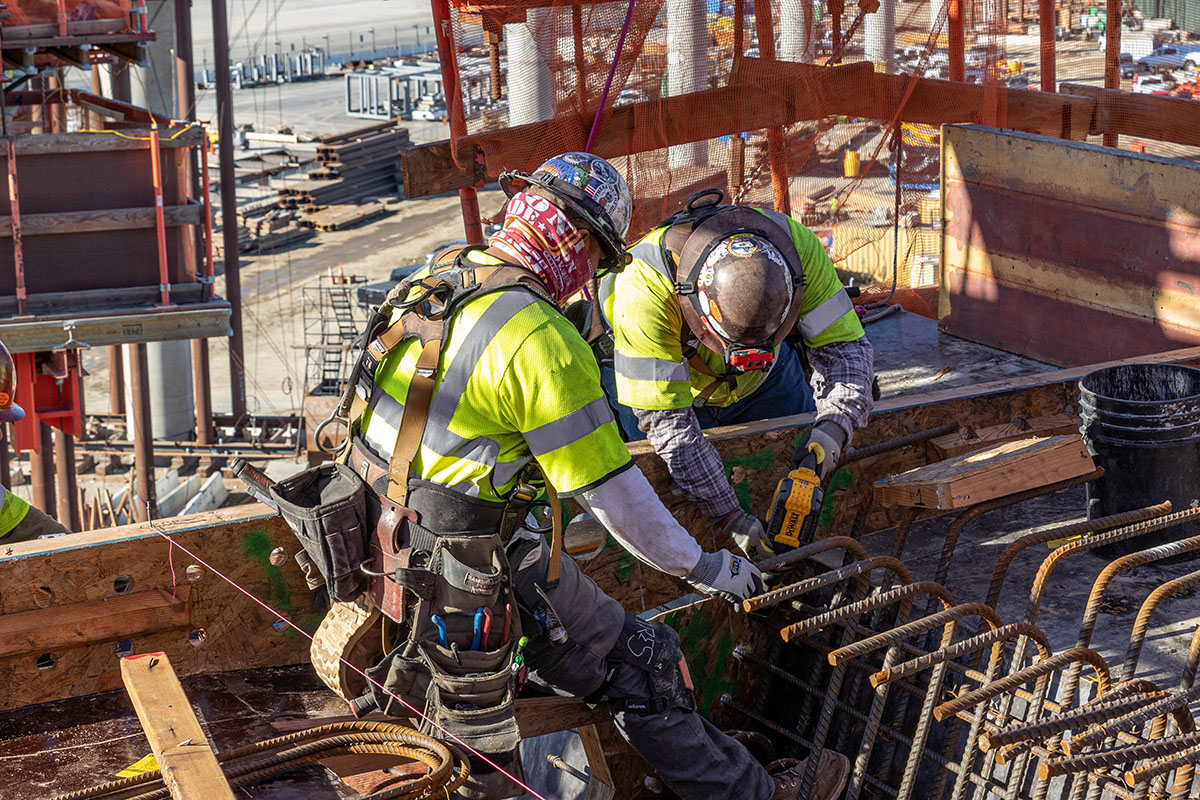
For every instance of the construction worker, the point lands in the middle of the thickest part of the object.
(516, 382)
(19, 521)
(699, 321)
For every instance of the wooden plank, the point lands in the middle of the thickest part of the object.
(112, 219)
(188, 764)
(996, 471)
(1044, 238)
(594, 750)
(1146, 116)
(151, 325)
(887, 97)
(442, 167)
(108, 620)
(131, 139)
(966, 441)
(762, 94)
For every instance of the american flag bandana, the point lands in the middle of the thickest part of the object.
(538, 235)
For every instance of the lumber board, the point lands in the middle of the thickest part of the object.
(196, 321)
(111, 219)
(965, 441)
(445, 166)
(1146, 116)
(104, 620)
(188, 764)
(996, 471)
(762, 94)
(130, 139)
(885, 97)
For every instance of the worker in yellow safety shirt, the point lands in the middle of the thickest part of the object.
(702, 322)
(19, 521)
(515, 382)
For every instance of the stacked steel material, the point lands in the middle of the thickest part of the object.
(888, 670)
(353, 166)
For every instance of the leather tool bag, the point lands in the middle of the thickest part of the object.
(325, 508)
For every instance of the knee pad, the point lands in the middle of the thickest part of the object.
(651, 648)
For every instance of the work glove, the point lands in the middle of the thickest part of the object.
(748, 531)
(722, 574)
(827, 440)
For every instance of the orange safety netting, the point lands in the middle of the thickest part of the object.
(42, 12)
(837, 156)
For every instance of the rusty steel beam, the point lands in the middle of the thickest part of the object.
(68, 487)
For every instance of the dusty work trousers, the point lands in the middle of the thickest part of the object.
(692, 757)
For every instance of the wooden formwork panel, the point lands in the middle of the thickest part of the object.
(1067, 252)
(86, 203)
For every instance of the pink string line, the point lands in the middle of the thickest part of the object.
(358, 671)
(612, 71)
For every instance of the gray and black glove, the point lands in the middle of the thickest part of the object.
(827, 440)
(748, 532)
(722, 574)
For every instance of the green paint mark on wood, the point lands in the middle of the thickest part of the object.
(624, 567)
(742, 490)
(708, 656)
(760, 460)
(257, 545)
(842, 480)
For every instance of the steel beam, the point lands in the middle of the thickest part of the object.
(233, 280)
(146, 505)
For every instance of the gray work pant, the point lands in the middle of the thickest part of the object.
(692, 757)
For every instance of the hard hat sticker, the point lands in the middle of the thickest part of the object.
(707, 273)
(743, 245)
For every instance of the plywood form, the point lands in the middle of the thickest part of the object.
(996, 471)
(231, 632)
(1070, 253)
(189, 767)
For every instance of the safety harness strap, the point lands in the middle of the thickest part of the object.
(412, 425)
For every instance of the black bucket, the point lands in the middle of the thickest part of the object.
(1141, 423)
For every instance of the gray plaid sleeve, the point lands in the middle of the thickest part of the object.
(691, 459)
(841, 379)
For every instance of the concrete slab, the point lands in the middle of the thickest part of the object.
(913, 357)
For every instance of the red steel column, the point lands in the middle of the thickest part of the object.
(454, 108)
(954, 31)
(776, 151)
(1047, 24)
(1112, 56)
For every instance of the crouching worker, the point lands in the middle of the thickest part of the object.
(700, 322)
(474, 386)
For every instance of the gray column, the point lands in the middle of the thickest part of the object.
(687, 67)
(530, 93)
(795, 29)
(937, 16)
(880, 35)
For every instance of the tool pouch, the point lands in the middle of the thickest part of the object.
(325, 508)
(471, 693)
